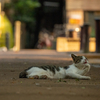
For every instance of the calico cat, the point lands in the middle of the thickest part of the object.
(77, 70)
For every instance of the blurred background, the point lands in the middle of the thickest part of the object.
(62, 25)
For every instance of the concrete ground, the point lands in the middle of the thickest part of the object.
(13, 88)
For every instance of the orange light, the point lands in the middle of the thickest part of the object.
(74, 21)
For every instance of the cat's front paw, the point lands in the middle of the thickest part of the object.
(88, 77)
(87, 66)
(86, 69)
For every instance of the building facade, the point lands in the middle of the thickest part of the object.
(79, 12)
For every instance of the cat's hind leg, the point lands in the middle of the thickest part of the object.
(43, 77)
(34, 77)
(38, 77)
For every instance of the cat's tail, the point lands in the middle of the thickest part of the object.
(23, 74)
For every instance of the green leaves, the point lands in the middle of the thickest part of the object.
(24, 10)
(32, 4)
(29, 4)
(77, 79)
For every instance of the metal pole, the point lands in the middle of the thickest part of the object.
(81, 39)
(97, 22)
(71, 33)
(7, 40)
(86, 38)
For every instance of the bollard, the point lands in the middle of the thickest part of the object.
(81, 39)
(71, 33)
(17, 35)
(86, 36)
(7, 41)
(97, 24)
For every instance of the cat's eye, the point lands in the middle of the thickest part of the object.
(81, 58)
(86, 58)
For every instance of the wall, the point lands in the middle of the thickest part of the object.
(73, 45)
(90, 5)
(74, 19)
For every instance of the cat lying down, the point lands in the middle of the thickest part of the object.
(77, 70)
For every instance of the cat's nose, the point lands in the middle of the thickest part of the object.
(85, 60)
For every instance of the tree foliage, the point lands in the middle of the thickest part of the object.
(23, 10)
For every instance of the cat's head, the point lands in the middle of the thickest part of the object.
(79, 59)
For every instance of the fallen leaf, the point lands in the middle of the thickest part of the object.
(64, 81)
(83, 87)
(12, 70)
(25, 63)
(77, 79)
(49, 88)
(37, 84)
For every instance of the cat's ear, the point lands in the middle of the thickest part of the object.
(73, 56)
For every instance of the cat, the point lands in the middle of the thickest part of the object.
(77, 70)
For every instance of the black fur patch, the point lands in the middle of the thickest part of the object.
(76, 59)
(51, 68)
(28, 68)
(23, 74)
(66, 67)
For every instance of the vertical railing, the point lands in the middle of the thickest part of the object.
(97, 22)
(84, 36)
(81, 39)
(7, 41)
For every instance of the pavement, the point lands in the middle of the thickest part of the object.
(36, 54)
(14, 88)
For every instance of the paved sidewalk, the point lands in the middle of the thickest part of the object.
(36, 54)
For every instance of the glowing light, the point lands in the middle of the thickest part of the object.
(77, 29)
